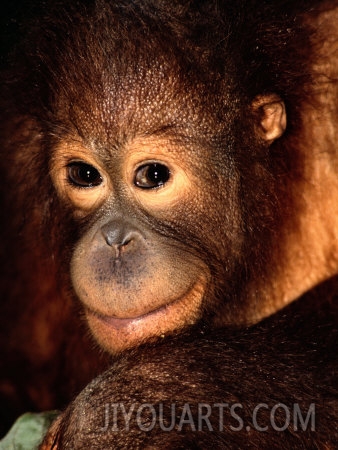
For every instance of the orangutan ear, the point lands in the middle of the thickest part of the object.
(271, 116)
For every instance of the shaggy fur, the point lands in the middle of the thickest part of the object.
(106, 73)
(289, 359)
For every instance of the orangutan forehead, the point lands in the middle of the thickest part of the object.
(148, 99)
(128, 78)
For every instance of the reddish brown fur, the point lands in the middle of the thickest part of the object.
(290, 358)
(196, 70)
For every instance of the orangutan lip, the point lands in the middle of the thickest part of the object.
(117, 323)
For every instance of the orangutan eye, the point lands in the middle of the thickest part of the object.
(150, 176)
(83, 175)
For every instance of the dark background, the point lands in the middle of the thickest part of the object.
(15, 17)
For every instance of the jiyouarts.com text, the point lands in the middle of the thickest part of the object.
(204, 416)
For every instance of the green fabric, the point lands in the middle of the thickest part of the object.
(28, 431)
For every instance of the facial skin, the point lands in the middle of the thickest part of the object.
(134, 279)
(122, 269)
